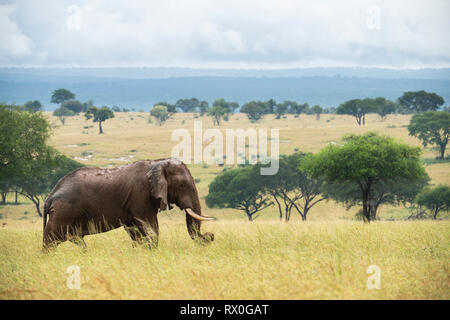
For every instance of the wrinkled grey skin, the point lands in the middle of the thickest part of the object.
(92, 200)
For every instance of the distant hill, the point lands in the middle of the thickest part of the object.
(140, 88)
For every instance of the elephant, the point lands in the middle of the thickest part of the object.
(91, 200)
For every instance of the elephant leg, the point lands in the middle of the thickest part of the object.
(52, 237)
(144, 232)
(153, 233)
(134, 233)
(79, 241)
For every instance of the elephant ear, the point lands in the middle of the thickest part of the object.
(158, 184)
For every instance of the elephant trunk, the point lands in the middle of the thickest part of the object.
(193, 222)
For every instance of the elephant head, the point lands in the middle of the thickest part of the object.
(172, 183)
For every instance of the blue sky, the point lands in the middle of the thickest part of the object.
(225, 34)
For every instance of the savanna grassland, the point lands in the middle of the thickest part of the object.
(324, 258)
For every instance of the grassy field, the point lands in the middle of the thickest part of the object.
(324, 258)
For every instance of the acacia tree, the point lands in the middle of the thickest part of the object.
(366, 161)
(160, 113)
(33, 106)
(317, 110)
(291, 188)
(62, 113)
(27, 164)
(253, 110)
(61, 95)
(420, 101)
(42, 175)
(74, 105)
(395, 192)
(297, 108)
(236, 188)
(383, 107)
(218, 113)
(432, 128)
(435, 199)
(357, 108)
(281, 109)
(22, 139)
(188, 105)
(99, 115)
(203, 108)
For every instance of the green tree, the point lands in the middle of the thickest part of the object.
(188, 105)
(297, 108)
(42, 175)
(160, 113)
(61, 95)
(317, 111)
(235, 188)
(357, 108)
(218, 113)
(86, 105)
(203, 108)
(171, 108)
(420, 101)
(291, 188)
(280, 110)
(394, 192)
(73, 105)
(435, 199)
(431, 127)
(33, 106)
(383, 107)
(62, 113)
(365, 161)
(226, 105)
(99, 115)
(23, 137)
(254, 110)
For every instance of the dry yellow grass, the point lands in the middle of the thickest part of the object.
(261, 260)
(326, 257)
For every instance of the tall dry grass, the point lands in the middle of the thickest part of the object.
(260, 260)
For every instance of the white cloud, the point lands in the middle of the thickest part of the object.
(206, 33)
(14, 44)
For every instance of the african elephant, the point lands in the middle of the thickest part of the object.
(92, 200)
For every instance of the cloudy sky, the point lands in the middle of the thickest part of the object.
(225, 34)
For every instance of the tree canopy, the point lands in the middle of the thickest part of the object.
(435, 199)
(62, 113)
(254, 110)
(357, 108)
(33, 106)
(99, 115)
(384, 107)
(160, 113)
(218, 112)
(73, 105)
(291, 188)
(420, 101)
(432, 128)
(61, 95)
(366, 161)
(235, 188)
(27, 164)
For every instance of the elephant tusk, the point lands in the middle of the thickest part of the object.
(198, 217)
